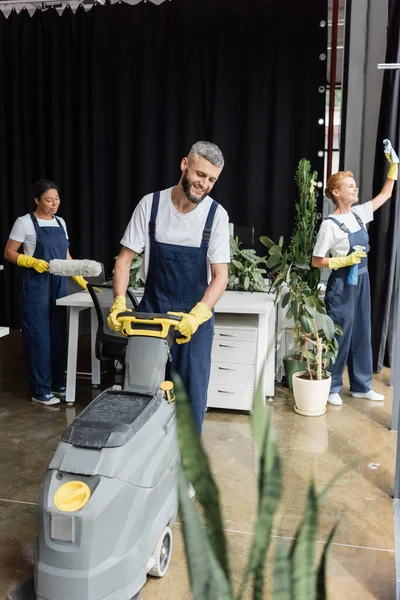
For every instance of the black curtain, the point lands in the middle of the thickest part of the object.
(384, 230)
(107, 102)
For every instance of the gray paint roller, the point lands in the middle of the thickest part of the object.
(74, 268)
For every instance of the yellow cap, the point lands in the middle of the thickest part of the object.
(72, 496)
(166, 386)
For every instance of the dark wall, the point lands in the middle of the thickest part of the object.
(107, 102)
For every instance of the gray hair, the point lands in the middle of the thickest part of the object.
(210, 152)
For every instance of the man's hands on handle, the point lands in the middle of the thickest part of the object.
(347, 261)
(191, 322)
(41, 266)
(118, 306)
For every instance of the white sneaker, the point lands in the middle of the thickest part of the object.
(335, 400)
(370, 395)
(191, 491)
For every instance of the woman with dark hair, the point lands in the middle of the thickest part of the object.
(44, 237)
(344, 238)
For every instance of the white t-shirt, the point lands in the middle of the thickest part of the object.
(331, 238)
(174, 227)
(24, 231)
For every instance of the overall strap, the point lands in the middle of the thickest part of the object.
(154, 212)
(34, 221)
(339, 224)
(358, 219)
(208, 226)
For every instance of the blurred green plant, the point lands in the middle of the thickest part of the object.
(244, 270)
(296, 575)
(135, 280)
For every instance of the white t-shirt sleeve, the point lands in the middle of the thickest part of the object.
(364, 211)
(219, 245)
(325, 240)
(18, 232)
(134, 237)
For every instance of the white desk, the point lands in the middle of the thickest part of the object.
(242, 303)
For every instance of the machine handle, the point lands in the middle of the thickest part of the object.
(228, 334)
(226, 346)
(226, 369)
(225, 392)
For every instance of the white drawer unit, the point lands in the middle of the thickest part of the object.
(230, 397)
(233, 362)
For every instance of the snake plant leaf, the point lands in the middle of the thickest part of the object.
(323, 565)
(197, 470)
(270, 489)
(302, 553)
(207, 579)
(282, 580)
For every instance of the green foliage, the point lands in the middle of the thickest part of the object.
(315, 333)
(135, 280)
(305, 231)
(296, 576)
(244, 270)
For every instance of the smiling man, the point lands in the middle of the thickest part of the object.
(185, 237)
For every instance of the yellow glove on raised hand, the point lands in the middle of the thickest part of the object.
(393, 160)
(118, 306)
(347, 261)
(41, 266)
(190, 322)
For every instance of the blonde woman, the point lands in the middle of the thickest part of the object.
(344, 238)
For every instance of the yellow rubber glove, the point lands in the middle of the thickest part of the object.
(190, 322)
(118, 306)
(347, 261)
(41, 266)
(80, 281)
(393, 160)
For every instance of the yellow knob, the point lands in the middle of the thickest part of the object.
(168, 387)
(72, 496)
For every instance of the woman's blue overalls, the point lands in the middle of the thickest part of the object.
(350, 307)
(176, 281)
(43, 322)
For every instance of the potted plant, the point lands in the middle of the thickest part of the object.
(300, 252)
(314, 331)
(245, 272)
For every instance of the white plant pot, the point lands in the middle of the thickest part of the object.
(311, 397)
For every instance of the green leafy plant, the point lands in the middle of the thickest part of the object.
(244, 271)
(296, 575)
(315, 333)
(135, 280)
(305, 230)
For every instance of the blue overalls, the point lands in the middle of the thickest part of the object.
(43, 322)
(350, 307)
(176, 281)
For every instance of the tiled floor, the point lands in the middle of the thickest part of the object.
(362, 560)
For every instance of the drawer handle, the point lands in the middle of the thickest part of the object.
(226, 369)
(228, 334)
(225, 392)
(226, 346)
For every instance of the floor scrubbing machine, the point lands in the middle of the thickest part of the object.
(109, 497)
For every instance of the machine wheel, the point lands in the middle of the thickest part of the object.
(162, 554)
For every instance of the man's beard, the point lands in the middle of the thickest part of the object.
(186, 188)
